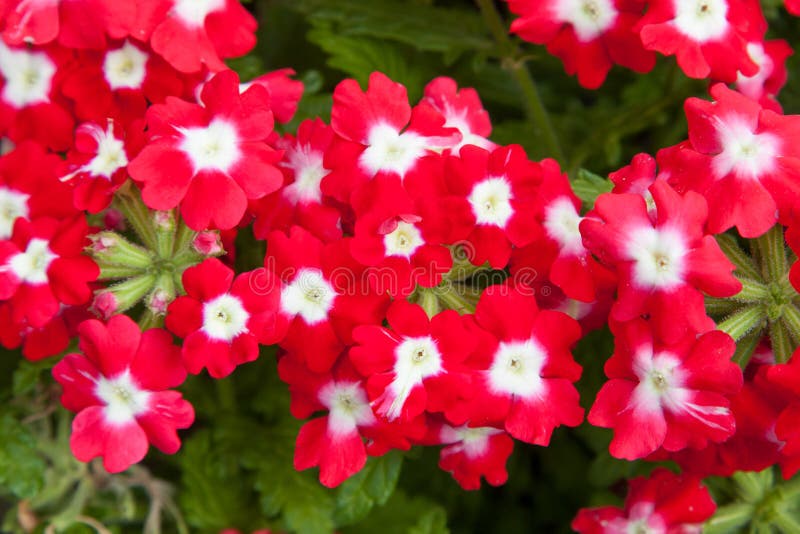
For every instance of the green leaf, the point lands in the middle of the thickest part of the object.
(449, 31)
(21, 467)
(371, 486)
(403, 515)
(588, 186)
(304, 505)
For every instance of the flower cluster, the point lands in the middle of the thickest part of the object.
(424, 285)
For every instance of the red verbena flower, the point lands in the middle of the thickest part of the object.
(119, 388)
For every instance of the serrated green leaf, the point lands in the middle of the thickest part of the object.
(21, 467)
(371, 486)
(588, 186)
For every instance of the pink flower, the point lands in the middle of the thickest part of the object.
(119, 388)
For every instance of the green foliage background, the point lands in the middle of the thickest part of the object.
(235, 468)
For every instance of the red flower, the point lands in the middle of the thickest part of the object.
(557, 253)
(665, 502)
(209, 160)
(415, 367)
(324, 295)
(119, 387)
(671, 395)
(662, 265)
(333, 442)
(524, 372)
(29, 109)
(379, 135)
(74, 23)
(793, 240)
(764, 85)
(300, 201)
(43, 266)
(97, 164)
(743, 158)
(588, 35)
(709, 39)
(29, 187)
(462, 110)
(223, 320)
(472, 453)
(284, 92)
(493, 194)
(191, 34)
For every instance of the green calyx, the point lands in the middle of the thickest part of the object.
(149, 272)
(767, 305)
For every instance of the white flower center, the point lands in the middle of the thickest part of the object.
(658, 256)
(749, 155)
(348, 407)
(417, 358)
(474, 442)
(13, 205)
(753, 86)
(391, 151)
(309, 295)
(308, 173)
(28, 76)
(516, 368)
(403, 241)
(701, 20)
(123, 398)
(31, 266)
(459, 122)
(641, 520)
(491, 201)
(561, 221)
(589, 18)
(125, 67)
(110, 156)
(215, 147)
(194, 12)
(224, 318)
(661, 381)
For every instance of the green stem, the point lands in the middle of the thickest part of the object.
(773, 254)
(184, 236)
(791, 319)
(742, 322)
(745, 348)
(744, 264)
(534, 106)
(715, 306)
(129, 202)
(752, 291)
(111, 272)
(781, 344)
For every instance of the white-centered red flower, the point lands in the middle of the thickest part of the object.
(557, 253)
(29, 187)
(300, 201)
(222, 319)
(97, 164)
(662, 264)
(670, 395)
(708, 37)
(43, 266)
(379, 135)
(462, 109)
(663, 503)
(524, 371)
(335, 441)
(192, 34)
(416, 365)
(29, 108)
(589, 36)
(491, 197)
(120, 388)
(743, 158)
(324, 295)
(764, 85)
(211, 159)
